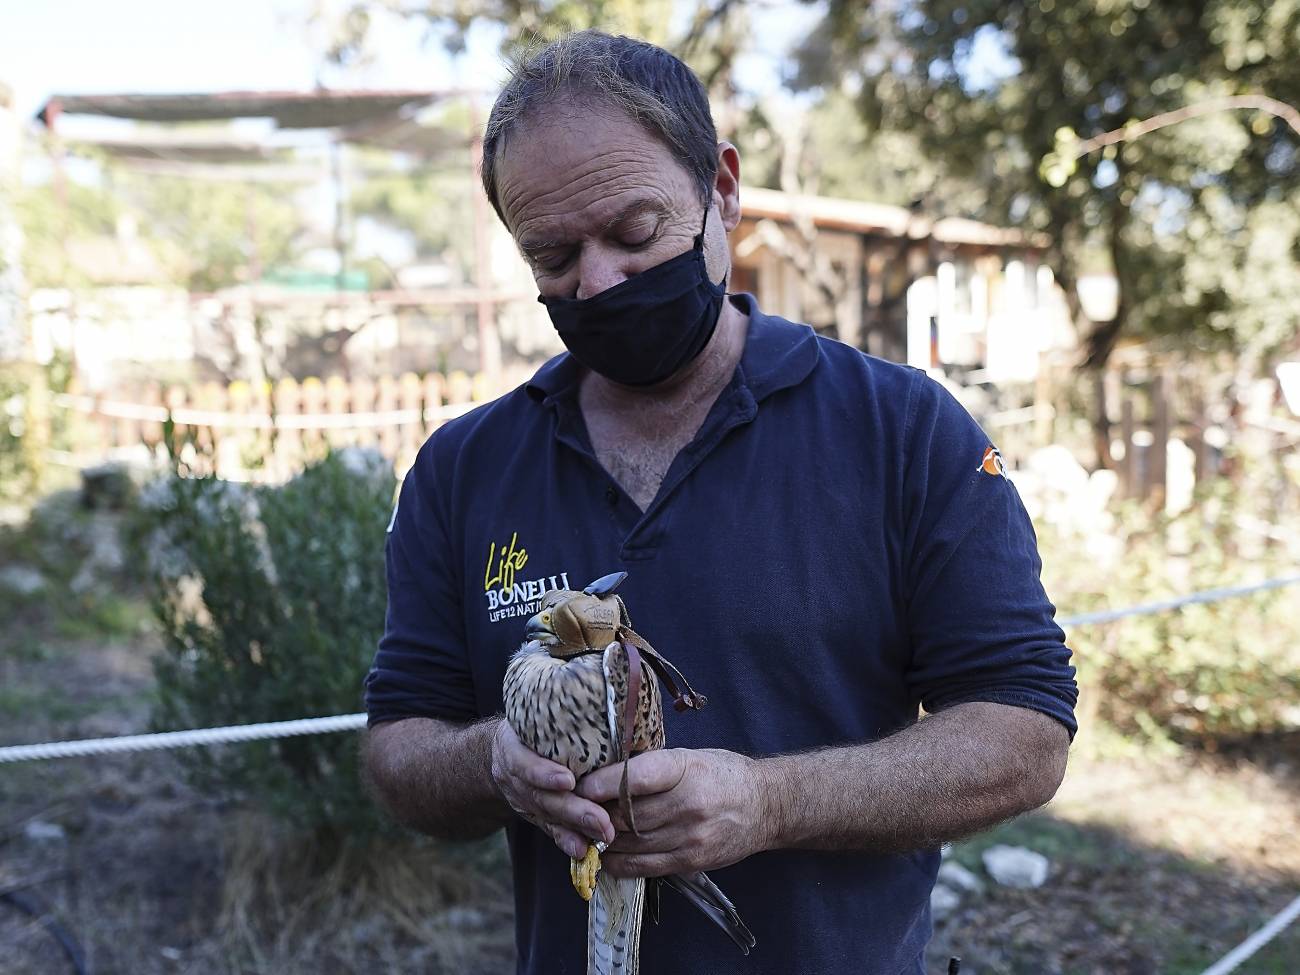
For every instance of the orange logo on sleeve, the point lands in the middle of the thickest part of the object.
(992, 462)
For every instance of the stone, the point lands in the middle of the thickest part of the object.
(42, 831)
(364, 462)
(106, 555)
(22, 580)
(943, 901)
(954, 875)
(106, 487)
(1015, 866)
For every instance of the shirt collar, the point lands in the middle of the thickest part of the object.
(778, 354)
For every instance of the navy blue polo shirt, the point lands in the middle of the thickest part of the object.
(835, 549)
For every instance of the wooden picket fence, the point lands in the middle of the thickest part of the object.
(267, 432)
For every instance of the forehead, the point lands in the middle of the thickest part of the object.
(571, 166)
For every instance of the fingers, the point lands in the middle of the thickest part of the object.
(571, 812)
(645, 864)
(540, 791)
(647, 774)
(525, 764)
(569, 842)
(651, 812)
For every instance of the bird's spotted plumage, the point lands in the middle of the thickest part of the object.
(566, 694)
(559, 707)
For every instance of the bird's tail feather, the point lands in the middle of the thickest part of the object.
(614, 926)
(705, 894)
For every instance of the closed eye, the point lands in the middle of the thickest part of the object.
(549, 262)
(645, 241)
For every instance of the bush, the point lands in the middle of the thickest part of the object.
(27, 427)
(271, 600)
(1226, 668)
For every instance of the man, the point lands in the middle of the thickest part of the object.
(821, 541)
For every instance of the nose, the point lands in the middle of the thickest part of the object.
(598, 270)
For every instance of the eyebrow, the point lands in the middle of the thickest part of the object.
(633, 209)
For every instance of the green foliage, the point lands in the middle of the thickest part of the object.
(16, 475)
(1002, 95)
(52, 219)
(545, 19)
(208, 235)
(200, 234)
(271, 600)
(28, 427)
(85, 592)
(433, 204)
(1230, 667)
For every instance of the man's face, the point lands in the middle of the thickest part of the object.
(591, 199)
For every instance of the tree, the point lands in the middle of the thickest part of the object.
(210, 235)
(997, 91)
(202, 234)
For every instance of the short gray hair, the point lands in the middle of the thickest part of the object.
(644, 81)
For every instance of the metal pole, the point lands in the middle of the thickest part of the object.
(340, 211)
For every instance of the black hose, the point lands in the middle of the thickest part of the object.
(34, 907)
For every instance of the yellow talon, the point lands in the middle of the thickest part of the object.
(583, 873)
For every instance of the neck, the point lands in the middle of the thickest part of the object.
(701, 380)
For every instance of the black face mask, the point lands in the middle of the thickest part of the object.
(644, 329)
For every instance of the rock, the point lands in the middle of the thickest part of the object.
(41, 831)
(106, 555)
(106, 487)
(943, 901)
(1015, 866)
(364, 462)
(22, 580)
(958, 877)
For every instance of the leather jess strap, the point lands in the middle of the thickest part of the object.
(684, 698)
(634, 675)
(640, 655)
(633, 696)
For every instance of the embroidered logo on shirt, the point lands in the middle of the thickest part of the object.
(992, 462)
(507, 597)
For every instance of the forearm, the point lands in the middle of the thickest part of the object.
(949, 775)
(436, 776)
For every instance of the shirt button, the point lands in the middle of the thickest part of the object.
(611, 495)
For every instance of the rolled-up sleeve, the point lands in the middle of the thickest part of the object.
(421, 667)
(981, 625)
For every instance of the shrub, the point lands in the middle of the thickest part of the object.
(271, 600)
(1227, 668)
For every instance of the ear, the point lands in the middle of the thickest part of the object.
(606, 584)
(726, 188)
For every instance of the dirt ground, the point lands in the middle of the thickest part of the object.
(1161, 862)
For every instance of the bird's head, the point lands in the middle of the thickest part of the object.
(572, 623)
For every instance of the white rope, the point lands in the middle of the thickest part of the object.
(353, 722)
(1205, 596)
(183, 739)
(1259, 939)
(260, 421)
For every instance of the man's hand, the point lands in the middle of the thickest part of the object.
(541, 791)
(695, 809)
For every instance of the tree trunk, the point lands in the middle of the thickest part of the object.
(1063, 266)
